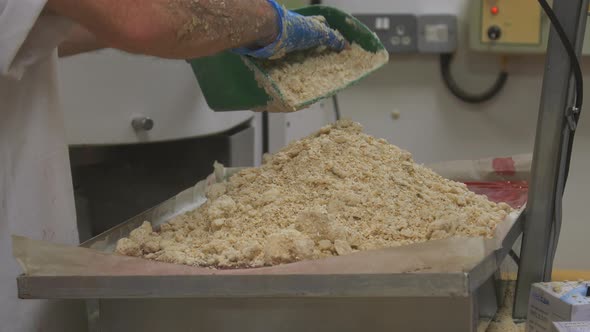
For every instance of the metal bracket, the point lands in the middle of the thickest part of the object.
(572, 115)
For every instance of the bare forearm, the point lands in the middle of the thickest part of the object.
(79, 40)
(174, 28)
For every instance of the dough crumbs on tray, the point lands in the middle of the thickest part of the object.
(333, 193)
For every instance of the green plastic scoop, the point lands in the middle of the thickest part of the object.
(228, 83)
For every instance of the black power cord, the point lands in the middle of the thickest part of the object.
(457, 91)
(568, 45)
(514, 257)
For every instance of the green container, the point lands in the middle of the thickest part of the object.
(229, 85)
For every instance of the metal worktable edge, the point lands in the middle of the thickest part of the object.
(415, 284)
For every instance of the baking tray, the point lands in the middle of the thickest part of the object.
(62, 272)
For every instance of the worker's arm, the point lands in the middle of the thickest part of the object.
(79, 40)
(194, 28)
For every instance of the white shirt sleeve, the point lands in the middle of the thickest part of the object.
(27, 35)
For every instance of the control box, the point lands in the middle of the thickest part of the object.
(511, 26)
(508, 26)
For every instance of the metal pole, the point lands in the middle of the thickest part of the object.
(557, 95)
(566, 133)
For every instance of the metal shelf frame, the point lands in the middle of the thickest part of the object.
(547, 177)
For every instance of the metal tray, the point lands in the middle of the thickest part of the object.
(407, 284)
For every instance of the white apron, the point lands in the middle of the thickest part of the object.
(36, 194)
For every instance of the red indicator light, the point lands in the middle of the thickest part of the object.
(495, 10)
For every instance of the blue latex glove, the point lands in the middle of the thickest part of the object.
(297, 32)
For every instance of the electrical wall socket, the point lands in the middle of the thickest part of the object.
(398, 32)
(437, 33)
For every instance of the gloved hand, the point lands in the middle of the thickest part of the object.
(297, 32)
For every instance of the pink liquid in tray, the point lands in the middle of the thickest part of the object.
(514, 194)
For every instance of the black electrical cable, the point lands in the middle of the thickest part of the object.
(457, 91)
(567, 44)
(336, 105)
(557, 222)
(514, 257)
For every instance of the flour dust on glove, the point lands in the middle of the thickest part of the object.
(296, 33)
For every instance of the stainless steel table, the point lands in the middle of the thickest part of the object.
(409, 301)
